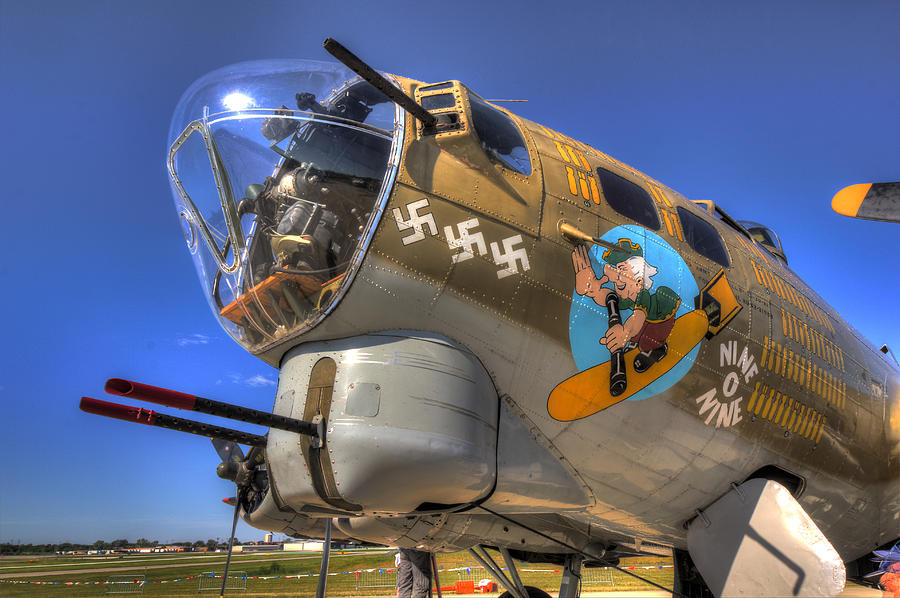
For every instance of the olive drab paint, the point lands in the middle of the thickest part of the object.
(612, 380)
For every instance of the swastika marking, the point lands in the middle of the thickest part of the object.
(510, 257)
(466, 241)
(417, 222)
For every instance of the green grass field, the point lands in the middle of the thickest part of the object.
(342, 580)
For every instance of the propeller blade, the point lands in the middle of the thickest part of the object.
(326, 553)
(870, 201)
(256, 455)
(237, 510)
(228, 450)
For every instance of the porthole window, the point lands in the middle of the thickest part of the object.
(499, 136)
(628, 199)
(703, 237)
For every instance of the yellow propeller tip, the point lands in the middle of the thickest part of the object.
(847, 201)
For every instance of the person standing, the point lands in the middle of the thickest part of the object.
(413, 573)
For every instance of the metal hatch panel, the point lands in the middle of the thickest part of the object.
(758, 541)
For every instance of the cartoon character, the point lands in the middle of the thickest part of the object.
(648, 291)
(653, 311)
(890, 581)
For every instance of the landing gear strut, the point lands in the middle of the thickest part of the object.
(569, 588)
(326, 552)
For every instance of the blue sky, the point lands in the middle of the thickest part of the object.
(767, 108)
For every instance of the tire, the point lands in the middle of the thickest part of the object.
(532, 592)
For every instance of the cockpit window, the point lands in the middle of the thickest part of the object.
(762, 234)
(766, 237)
(282, 167)
(499, 136)
(628, 199)
(200, 185)
(437, 102)
(703, 237)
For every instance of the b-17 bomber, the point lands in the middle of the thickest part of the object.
(492, 335)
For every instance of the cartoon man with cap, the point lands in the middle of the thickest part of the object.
(653, 312)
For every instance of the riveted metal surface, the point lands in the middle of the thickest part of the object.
(436, 423)
(758, 526)
(530, 478)
(457, 170)
(647, 463)
(363, 399)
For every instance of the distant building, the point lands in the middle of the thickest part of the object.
(268, 538)
(308, 546)
(258, 548)
(146, 549)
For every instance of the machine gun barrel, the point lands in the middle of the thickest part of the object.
(152, 418)
(355, 64)
(180, 400)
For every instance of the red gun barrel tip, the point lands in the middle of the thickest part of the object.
(86, 402)
(118, 386)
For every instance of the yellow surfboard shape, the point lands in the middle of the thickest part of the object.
(587, 392)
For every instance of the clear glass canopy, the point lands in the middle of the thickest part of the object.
(766, 236)
(280, 170)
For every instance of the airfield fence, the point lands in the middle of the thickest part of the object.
(376, 578)
(212, 580)
(387, 578)
(596, 575)
(475, 574)
(125, 584)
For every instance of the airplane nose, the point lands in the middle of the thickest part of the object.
(283, 185)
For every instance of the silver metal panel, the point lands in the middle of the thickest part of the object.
(267, 516)
(758, 541)
(430, 438)
(380, 531)
(289, 476)
(434, 438)
(458, 531)
(270, 517)
(531, 479)
(363, 399)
